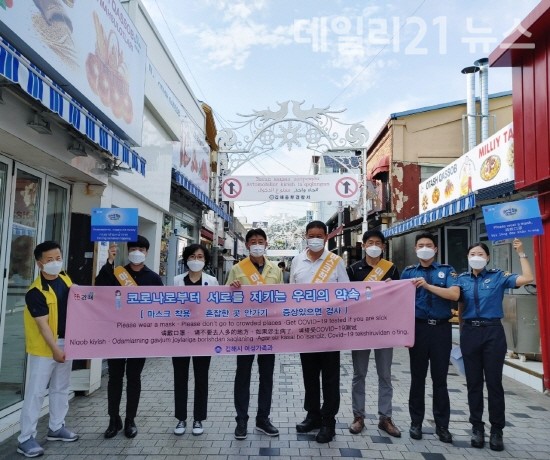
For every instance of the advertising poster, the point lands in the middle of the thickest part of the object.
(114, 322)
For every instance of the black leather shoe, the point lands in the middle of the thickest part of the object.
(308, 425)
(241, 430)
(495, 441)
(415, 432)
(115, 425)
(130, 429)
(326, 434)
(443, 434)
(478, 439)
(266, 427)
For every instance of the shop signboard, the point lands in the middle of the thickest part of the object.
(489, 163)
(91, 46)
(114, 224)
(513, 220)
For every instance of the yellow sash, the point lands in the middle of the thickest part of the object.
(123, 277)
(377, 273)
(251, 272)
(326, 268)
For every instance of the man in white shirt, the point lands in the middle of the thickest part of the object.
(318, 265)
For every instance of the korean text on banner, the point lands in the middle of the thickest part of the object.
(141, 321)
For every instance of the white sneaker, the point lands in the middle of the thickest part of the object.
(180, 428)
(197, 428)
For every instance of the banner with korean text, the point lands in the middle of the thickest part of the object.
(141, 321)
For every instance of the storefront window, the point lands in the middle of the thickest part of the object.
(55, 214)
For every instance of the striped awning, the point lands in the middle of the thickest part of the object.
(19, 70)
(180, 179)
(454, 207)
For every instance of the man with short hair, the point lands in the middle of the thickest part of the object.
(255, 269)
(433, 337)
(318, 265)
(134, 273)
(45, 318)
(373, 268)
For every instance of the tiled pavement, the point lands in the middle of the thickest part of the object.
(527, 435)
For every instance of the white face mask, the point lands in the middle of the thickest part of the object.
(52, 268)
(477, 262)
(316, 244)
(373, 251)
(425, 253)
(257, 250)
(195, 265)
(136, 257)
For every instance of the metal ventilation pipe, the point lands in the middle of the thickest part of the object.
(470, 73)
(483, 65)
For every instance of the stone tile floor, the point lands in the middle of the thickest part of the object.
(526, 436)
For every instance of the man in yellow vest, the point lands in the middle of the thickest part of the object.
(318, 265)
(44, 317)
(254, 270)
(373, 268)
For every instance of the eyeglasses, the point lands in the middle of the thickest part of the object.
(196, 257)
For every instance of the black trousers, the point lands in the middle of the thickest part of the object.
(266, 364)
(201, 364)
(325, 364)
(133, 368)
(483, 350)
(432, 346)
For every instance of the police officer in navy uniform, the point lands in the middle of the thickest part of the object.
(433, 336)
(482, 338)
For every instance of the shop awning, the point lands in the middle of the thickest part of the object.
(180, 179)
(207, 234)
(19, 70)
(454, 207)
(383, 165)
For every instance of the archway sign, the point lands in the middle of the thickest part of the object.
(317, 129)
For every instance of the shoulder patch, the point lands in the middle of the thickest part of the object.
(410, 267)
(454, 274)
(506, 273)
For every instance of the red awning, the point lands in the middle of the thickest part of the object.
(337, 231)
(221, 241)
(207, 234)
(382, 166)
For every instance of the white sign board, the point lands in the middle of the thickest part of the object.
(489, 163)
(327, 187)
(92, 45)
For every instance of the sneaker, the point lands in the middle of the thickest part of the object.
(241, 431)
(63, 434)
(386, 424)
(357, 425)
(197, 428)
(30, 448)
(180, 428)
(266, 427)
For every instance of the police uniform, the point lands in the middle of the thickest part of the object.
(432, 344)
(483, 343)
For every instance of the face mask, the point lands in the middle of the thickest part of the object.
(53, 268)
(425, 253)
(316, 244)
(477, 262)
(136, 257)
(257, 250)
(373, 251)
(195, 265)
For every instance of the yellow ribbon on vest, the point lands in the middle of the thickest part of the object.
(379, 270)
(251, 272)
(123, 277)
(326, 268)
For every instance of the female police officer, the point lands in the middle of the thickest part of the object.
(482, 338)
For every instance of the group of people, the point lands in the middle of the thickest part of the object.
(479, 293)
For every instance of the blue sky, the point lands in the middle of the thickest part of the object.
(372, 58)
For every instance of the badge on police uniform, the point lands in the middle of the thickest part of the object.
(441, 275)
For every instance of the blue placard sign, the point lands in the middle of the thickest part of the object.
(512, 220)
(114, 224)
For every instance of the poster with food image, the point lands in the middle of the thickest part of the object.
(191, 156)
(89, 46)
(489, 163)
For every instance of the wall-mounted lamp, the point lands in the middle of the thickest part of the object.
(40, 124)
(77, 149)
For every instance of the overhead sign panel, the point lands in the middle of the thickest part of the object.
(327, 187)
(489, 163)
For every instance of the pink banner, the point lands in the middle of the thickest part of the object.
(115, 322)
